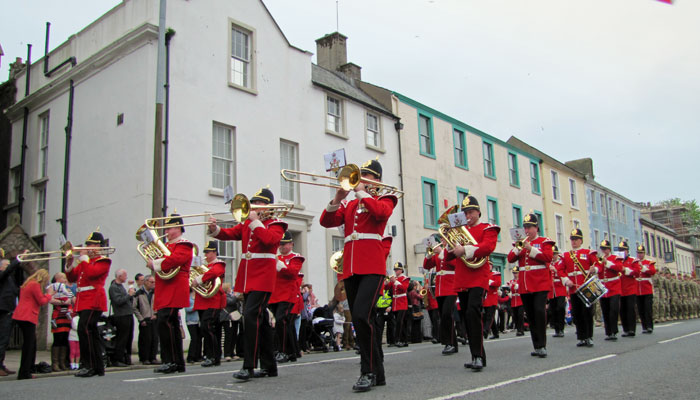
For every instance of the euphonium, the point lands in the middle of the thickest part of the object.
(458, 235)
(336, 262)
(423, 292)
(152, 248)
(206, 289)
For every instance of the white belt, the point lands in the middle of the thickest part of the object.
(575, 273)
(516, 294)
(400, 295)
(360, 236)
(556, 280)
(644, 279)
(610, 279)
(445, 272)
(84, 288)
(532, 267)
(249, 256)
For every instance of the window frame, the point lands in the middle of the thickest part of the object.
(535, 179)
(573, 193)
(515, 170)
(460, 191)
(40, 210)
(593, 201)
(603, 205)
(232, 161)
(341, 104)
(559, 233)
(294, 185)
(251, 85)
(463, 142)
(484, 145)
(44, 132)
(556, 187)
(540, 221)
(431, 135)
(13, 187)
(427, 224)
(519, 209)
(380, 134)
(596, 237)
(497, 219)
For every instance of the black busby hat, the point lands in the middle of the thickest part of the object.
(265, 195)
(95, 238)
(576, 234)
(372, 167)
(641, 249)
(470, 203)
(555, 249)
(530, 220)
(173, 220)
(287, 238)
(212, 245)
(605, 244)
(623, 245)
(398, 265)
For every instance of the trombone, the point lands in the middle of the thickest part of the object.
(241, 208)
(66, 251)
(348, 178)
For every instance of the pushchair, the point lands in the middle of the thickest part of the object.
(322, 337)
(107, 332)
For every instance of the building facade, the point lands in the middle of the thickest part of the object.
(660, 243)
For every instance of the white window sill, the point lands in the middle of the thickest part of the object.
(243, 88)
(40, 181)
(377, 149)
(216, 192)
(340, 135)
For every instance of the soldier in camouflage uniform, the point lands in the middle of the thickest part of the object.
(656, 282)
(675, 298)
(665, 305)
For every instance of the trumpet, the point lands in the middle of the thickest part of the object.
(520, 243)
(66, 251)
(348, 178)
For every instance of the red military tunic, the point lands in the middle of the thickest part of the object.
(299, 299)
(432, 303)
(609, 274)
(486, 236)
(534, 265)
(287, 287)
(568, 270)
(515, 300)
(630, 272)
(647, 269)
(365, 219)
(174, 292)
(444, 273)
(217, 269)
(260, 240)
(90, 275)
(399, 302)
(492, 293)
(558, 288)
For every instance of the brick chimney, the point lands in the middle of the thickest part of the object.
(16, 67)
(332, 54)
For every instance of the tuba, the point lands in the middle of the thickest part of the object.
(336, 262)
(206, 289)
(152, 248)
(458, 235)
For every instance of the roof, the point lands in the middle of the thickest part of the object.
(336, 82)
(545, 158)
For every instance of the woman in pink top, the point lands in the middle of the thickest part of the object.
(31, 298)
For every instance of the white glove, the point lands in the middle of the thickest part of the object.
(396, 282)
(280, 265)
(645, 269)
(516, 286)
(627, 271)
(469, 251)
(490, 282)
(565, 281)
(593, 270)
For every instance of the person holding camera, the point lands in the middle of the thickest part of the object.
(26, 316)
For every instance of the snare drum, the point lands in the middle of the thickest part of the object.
(591, 291)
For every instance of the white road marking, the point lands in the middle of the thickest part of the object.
(666, 325)
(279, 367)
(680, 337)
(523, 378)
(219, 389)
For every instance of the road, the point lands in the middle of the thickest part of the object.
(665, 364)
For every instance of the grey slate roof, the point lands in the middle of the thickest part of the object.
(338, 83)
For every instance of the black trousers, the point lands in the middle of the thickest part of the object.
(471, 302)
(170, 336)
(400, 326)
(148, 340)
(489, 313)
(194, 352)
(646, 312)
(557, 309)
(363, 292)
(304, 331)
(259, 335)
(583, 318)
(209, 324)
(381, 316)
(434, 323)
(446, 305)
(125, 328)
(518, 318)
(534, 305)
(610, 308)
(501, 319)
(283, 323)
(628, 317)
(89, 340)
(390, 328)
(26, 363)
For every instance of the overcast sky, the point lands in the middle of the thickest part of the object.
(614, 80)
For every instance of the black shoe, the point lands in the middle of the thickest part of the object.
(86, 373)
(449, 349)
(478, 364)
(647, 331)
(294, 358)
(534, 353)
(180, 368)
(558, 334)
(164, 368)
(119, 364)
(281, 358)
(541, 352)
(613, 336)
(207, 363)
(380, 380)
(581, 343)
(469, 364)
(609, 337)
(434, 341)
(243, 374)
(463, 341)
(146, 362)
(262, 373)
(589, 342)
(628, 334)
(520, 334)
(364, 383)
(494, 337)
(391, 345)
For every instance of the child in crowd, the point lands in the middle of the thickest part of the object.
(338, 321)
(74, 344)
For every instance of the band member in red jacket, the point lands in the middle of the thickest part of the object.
(609, 273)
(364, 264)
(491, 304)
(578, 265)
(516, 304)
(446, 296)
(284, 298)
(91, 301)
(557, 297)
(631, 270)
(172, 294)
(534, 280)
(210, 307)
(256, 276)
(471, 281)
(645, 290)
(399, 284)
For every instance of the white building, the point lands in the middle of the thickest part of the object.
(243, 104)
